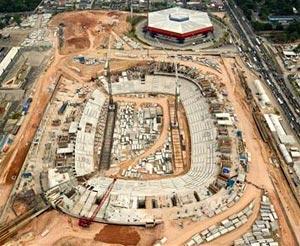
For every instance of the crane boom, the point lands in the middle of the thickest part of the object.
(85, 222)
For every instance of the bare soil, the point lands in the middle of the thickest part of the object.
(89, 29)
(85, 32)
(114, 234)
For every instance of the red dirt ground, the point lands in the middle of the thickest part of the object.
(88, 29)
(78, 42)
(114, 234)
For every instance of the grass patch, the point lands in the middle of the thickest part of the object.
(133, 22)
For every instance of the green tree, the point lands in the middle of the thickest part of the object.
(268, 7)
(297, 49)
(293, 31)
(279, 27)
(17, 19)
(7, 6)
(261, 26)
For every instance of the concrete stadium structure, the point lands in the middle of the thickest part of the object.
(179, 24)
(146, 202)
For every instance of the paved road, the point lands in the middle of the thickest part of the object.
(285, 98)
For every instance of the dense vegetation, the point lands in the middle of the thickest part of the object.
(290, 33)
(8, 6)
(9, 19)
(135, 19)
(297, 49)
(264, 8)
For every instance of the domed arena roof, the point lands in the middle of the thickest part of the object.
(179, 20)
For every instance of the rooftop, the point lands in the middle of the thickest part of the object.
(179, 20)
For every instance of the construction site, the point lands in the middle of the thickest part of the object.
(123, 143)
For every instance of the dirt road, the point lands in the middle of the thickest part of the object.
(178, 237)
(77, 23)
(62, 229)
(259, 173)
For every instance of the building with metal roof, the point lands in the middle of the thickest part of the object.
(283, 19)
(179, 24)
(8, 59)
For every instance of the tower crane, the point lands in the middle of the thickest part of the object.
(177, 86)
(107, 73)
(176, 95)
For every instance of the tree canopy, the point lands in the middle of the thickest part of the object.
(268, 7)
(8, 6)
(297, 49)
(265, 8)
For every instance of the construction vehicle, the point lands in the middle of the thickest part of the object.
(86, 222)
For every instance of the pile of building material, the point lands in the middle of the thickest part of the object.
(231, 223)
(264, 228)
(209, 63)
(119, 44)
(216, 106)
(35, 38)
(132, 43)
(30, 21)
(225, 145)
(159, 163)
(38, 36)
(160, 242)
(55, 178)
(45, 19)
(88, 60)
(135, 130)
(209, 210)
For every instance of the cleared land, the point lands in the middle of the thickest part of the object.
(88, 30)
(82, 36)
